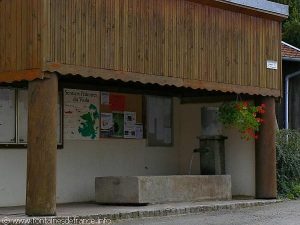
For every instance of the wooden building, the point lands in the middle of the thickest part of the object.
(194, 50)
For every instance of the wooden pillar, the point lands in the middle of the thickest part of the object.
(42, 147)
(265, 154)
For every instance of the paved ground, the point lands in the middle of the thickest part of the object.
(286, 213)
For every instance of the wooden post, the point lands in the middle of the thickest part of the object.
(265, 154)
(42, 147)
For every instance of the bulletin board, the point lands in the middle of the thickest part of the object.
(23, 117)
(7, 115)
(117, 107)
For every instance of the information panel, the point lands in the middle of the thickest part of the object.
(81, 114)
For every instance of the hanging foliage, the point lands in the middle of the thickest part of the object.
(244, 116)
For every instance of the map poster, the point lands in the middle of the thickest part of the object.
(118, 124)
(81, 114)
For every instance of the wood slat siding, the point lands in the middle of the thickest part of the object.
(178, 39)
(175, 42)
(20, 35)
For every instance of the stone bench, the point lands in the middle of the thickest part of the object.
(161, 189)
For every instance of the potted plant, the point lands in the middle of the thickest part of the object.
(243, 115)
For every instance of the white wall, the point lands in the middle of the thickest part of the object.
(240, 154)
(80, 162)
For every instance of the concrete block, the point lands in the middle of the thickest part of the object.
(161, 189)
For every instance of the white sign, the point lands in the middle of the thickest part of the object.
(105, 98)
(129, 125)
(139, 131)
(271, 64)
(81, 114)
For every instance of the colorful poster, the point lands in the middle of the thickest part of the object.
(118, 124)
(104, 98)
(117, 102)
(81, 114)
(106, 124)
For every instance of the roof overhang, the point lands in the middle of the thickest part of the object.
(263, 5)
(261, 8)
(289, 59)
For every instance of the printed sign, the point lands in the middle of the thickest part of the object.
(81, 114)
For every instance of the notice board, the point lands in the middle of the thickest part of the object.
(121, 115)
(7, 115)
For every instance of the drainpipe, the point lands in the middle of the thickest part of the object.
(287, 84)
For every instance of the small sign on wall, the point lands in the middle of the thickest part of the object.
(272, 65)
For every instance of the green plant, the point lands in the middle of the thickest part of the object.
(244, 116)
(288, 163)
(296, 190)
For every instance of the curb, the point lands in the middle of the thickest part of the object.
(172, 211)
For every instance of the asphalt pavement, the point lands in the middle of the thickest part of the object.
(285, 213)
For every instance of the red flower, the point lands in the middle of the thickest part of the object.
(261, 110)
(263, 105)
(245, 104)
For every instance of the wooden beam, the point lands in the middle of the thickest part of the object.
(106, 74)
(265, 154)
(9, 77)
(42, 147)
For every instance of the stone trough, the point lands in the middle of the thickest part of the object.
(161, 189)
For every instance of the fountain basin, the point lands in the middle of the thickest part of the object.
(161, 189)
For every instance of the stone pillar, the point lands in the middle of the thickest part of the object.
(42, 147)
(265, 153)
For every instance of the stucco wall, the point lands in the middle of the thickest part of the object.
(80, 162)
(240, 154)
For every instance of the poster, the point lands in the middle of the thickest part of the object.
(117, 102)
(7, 116)
(118, 124)
(129, 125)
(139, 131)
(130, 132)
(81, 114)
(105, 98)
(106, 124)
(129, 118)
